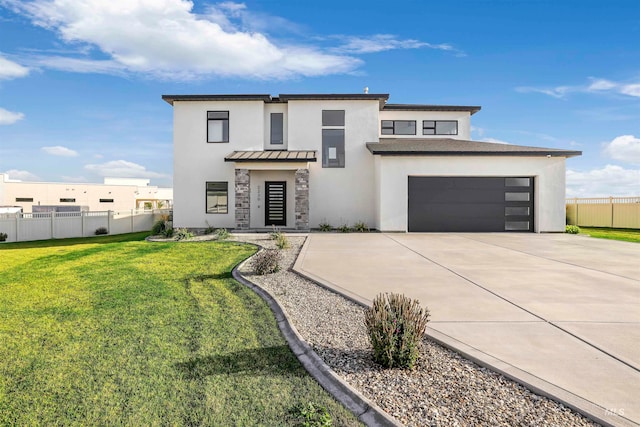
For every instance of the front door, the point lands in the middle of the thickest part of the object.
(276, 206)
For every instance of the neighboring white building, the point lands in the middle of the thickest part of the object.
(116, 194)
(298, 161)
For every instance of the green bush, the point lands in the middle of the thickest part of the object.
(396, 325)
(282, 242)
(360, 227)
(344, 228)
(324, 226)
(313, 415)
(275, 233)
(267, 261)
(168, 232)
(3, 237)
(159, 227)
(572, 229)
(209, 229)
(182, 234)
(101, 230)
(222, 234)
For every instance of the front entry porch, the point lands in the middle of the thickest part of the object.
(272, 189)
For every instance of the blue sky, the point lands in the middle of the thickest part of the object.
(81, 80)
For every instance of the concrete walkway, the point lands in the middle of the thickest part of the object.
(558, 312)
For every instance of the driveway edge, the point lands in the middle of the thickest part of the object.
(531, 382)
(366, 411)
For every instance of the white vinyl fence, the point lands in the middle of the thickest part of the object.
(24, 227)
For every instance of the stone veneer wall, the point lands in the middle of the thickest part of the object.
(302, 199)
(242, 199)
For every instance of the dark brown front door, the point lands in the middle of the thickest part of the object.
(275, 212)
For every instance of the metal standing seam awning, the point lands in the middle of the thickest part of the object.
(272, 156)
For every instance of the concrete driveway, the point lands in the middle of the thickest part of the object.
(558, 312)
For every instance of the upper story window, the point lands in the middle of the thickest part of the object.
(217, 126)
(332, 117)
(333, 139)
(67, 200)
(277, 128)
(24, 199)
(398, 127)
(439, 127)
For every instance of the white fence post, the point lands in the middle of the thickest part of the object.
(53, 224)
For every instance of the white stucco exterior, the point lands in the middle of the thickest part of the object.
(370, 188)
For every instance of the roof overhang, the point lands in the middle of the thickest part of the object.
(471, 109)
(458, 147)
(272, 156)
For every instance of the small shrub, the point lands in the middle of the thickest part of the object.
(222, 234)
(168, 232)
(572, 229)
(395, 325)
(344, 228)
(324, 226)
(101, 230)
(209, 229)
(275, 233)
(313, 415)
(360, 227)
(182, 234)
(267, 261)
(3, 237)
(282, 242)
(159, 227)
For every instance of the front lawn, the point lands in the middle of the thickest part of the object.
(625, 234)
(115, 330)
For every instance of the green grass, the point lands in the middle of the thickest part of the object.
(624, 234)
(115, 330)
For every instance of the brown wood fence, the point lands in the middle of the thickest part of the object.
(613, 212)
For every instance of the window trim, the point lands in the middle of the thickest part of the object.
(24, 199)
(206, 197)
(333, 111)
(223, 141)
(393, 127)
(106, 200)
(67, 200)
(435, 127)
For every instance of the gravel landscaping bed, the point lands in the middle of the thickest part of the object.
(443, 389)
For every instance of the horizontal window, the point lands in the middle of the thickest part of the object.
(332, 117)
(398, 127)
(217, 195)
(516, 197)
(67, 200)
(516, 225)
(517, 182)
(106, 200)
(217, 126)
(24, 199)
(516, 210)
(439, 127)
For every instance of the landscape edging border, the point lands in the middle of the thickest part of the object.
(366, 411)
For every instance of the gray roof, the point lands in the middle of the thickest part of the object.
(425, 107)
(381, 97)
(459, 147)
(272, 156)
(171, 98)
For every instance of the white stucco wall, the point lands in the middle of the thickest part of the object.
(463, 118)
(338, 195)
(392, 174)
(195, 161)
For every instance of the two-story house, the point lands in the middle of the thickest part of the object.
(296, 161)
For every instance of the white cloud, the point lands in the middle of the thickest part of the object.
(11, 70)
(611, 180)
(477, 130)
(625, 148)
(167, 39)
(9, 117)
(495, 141)
(123, 169)
(596, 86)
(382, 42)
(58, 150)
(22, 175)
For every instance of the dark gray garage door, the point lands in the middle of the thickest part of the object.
(470, 203)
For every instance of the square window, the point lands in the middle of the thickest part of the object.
(446, 127)
(332, 117)
(404, 127)
(217, 195)
(333, 148)
(217, 126)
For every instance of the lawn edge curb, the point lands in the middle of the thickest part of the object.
(366, 411)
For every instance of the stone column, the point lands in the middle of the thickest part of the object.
(243, 194)
(302, 199)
